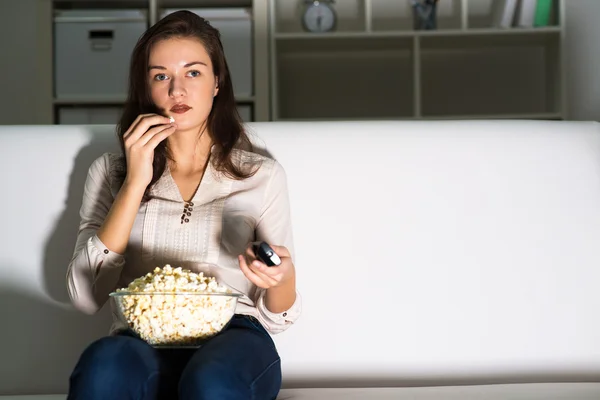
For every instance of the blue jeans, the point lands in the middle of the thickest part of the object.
(241, 362)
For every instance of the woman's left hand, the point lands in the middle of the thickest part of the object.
(264, 276)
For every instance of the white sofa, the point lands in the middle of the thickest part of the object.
(437, 260)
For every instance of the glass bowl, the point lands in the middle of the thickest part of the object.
(175, 319)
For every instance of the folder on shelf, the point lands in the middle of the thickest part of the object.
(526, 13)
(542, 13)
(503, 13)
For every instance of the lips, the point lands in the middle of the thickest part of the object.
(180, 108)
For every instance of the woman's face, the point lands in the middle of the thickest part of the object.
(182, 83)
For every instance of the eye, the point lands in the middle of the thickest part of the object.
(160, 77)
(193, 73)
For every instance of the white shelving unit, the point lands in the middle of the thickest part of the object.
(257, 101)
(376, 66)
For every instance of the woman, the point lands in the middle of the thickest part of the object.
(184, 193)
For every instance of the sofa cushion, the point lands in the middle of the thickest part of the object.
(523, 391)
(472, 246)
(537, 391)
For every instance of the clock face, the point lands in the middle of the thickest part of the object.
(319, 17)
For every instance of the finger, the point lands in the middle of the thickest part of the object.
(262, 267)
(281, 251)
(135, 123)
(250, 274)
(258, 265)
(144, 125)
(159, 137)
(250, 253)
(146, 137)
(266, 272)
(269, 280)
(148, 122)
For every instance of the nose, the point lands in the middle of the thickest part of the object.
(176, 88)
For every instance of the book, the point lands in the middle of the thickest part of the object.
(503, 13)
(526, 13)
(542, 13)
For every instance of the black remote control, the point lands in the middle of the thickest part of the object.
(265, 253)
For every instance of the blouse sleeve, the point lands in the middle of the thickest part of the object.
(94, 270)
(274, 226)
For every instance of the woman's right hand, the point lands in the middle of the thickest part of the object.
(142, 137)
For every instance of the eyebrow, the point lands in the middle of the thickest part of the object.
(185, 66)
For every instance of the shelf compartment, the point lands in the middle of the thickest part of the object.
(288, 15)
(339, 79)
(449, 15)
(480, 14)
(411, 33)
(490, 75)
(398, 15)
(391, 16)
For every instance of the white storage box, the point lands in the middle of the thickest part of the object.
(92, 51)
(235, 26)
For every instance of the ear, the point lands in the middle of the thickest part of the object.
(216, 91)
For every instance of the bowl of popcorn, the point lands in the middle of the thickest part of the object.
(174, 307)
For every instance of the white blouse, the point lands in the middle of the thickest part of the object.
(227, 215)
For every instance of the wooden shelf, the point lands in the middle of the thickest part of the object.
(492, 31)
(410, 34)
(376, 66)
(542, 116)
(539, 116)
(254, 103)
(116, 4)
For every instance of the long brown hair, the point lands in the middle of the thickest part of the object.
(224, 123)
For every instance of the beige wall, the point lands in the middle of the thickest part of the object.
(26, 62)
(582, 52)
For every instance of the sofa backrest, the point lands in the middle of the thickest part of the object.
(427, 252)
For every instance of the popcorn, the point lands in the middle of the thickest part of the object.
(171, 119)
(174, 306)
